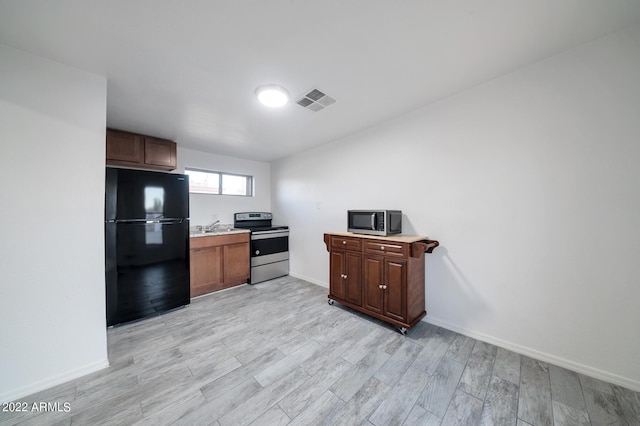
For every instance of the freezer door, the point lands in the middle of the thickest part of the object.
(140, 194)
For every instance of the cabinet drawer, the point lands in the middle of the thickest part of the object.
(389, 249)
(346, 243)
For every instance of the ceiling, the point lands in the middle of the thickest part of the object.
(187, 70)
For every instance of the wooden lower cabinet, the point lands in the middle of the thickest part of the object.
(380, 276)
(205, 266)
(218, 262)
(385, 288)
(346, 275)
(235, 263)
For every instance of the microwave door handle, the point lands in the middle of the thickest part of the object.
(373, 221)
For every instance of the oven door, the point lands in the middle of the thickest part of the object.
(269, 247)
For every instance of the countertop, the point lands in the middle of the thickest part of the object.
(197, 234)
(402, 238)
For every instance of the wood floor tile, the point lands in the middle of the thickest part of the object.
(369, 343)
(172, 412)
(274, 416)
(297, 402)
(315, 412)
(534, 403)
(354, 378)
(603, 408)
(435, 344)
(238, 357)
(420, 416)
(441, 386)
(566, 388)
(599, 385)
(361, 405)
(464, 409)
(219, 386)
(392, 370)
(563, 415)
(65, 392)
(501, 403)
(507, 366)
(116, 391)
(399, 401)
(211, 410)
(287, 364)
(629, 402)
(329, 355)
(251, 346)
(477, 373)
(119, 410)
(264, 399)
(460, 348)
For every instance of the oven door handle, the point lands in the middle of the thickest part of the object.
(269, 234)
(373, 221)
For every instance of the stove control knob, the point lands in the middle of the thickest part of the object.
(257, 251)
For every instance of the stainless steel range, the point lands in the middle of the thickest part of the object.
(269, 245)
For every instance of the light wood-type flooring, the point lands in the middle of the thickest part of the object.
(277, 354)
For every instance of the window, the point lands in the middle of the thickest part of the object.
(208, 182)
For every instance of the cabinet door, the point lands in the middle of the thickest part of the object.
(336, 275)
(353, 273)
(160, 153)
(395, 278)
(373, 274)
(236, 264)
(124, 148)
(206, 270)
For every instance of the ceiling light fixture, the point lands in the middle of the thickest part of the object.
(272, 95)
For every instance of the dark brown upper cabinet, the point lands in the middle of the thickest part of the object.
(139, 151)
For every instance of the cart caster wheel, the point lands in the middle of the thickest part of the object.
(403, 331)
(330, 302)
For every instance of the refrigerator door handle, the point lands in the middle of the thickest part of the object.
(174, 220)
(143, 221)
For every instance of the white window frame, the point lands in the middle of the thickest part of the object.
(249, 178)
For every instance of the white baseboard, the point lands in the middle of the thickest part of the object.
(541, 356)
(21, 392)
(311, 280)
(523, 350)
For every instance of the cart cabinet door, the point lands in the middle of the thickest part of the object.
(336, 273)
(373, 293)
(395, 279)
(353, 278)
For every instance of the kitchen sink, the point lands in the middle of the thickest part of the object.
(217, 231)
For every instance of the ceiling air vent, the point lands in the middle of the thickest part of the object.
(315, 100)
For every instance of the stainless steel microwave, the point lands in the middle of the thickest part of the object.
(375, 222)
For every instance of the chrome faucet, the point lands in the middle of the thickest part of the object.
(210, 227)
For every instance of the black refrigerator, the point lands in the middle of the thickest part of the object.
(146, 243)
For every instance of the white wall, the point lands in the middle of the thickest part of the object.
(531, 182)
(206, 208)
(52, 303)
